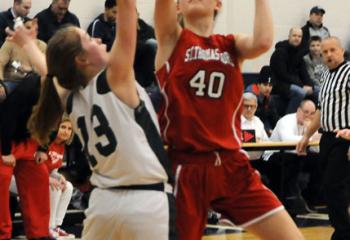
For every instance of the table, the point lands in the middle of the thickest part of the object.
(280, 146)
(269, 145)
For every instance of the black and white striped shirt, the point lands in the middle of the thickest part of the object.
(334, 98)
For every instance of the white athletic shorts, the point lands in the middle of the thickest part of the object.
(130, 215)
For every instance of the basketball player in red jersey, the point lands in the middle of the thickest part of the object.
(201, 82)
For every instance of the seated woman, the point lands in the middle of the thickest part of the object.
(60, 189)
(14, 62)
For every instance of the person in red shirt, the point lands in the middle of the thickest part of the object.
(200, 78)
(60, 189)
(32, 181)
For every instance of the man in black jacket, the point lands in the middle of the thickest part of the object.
(103, 26)
(54, 17)
(288, 71)
(20, 8)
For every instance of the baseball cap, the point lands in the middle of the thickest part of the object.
(317, 10)
(265, 75)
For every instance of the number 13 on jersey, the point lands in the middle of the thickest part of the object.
(102, 131)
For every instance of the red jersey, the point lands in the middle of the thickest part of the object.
(202, 89)
(55, 156)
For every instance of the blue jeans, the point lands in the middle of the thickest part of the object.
(11, 86)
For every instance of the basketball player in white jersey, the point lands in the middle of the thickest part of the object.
(116, 123)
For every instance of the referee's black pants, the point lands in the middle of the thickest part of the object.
(336, 169)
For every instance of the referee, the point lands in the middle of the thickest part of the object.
(334, 114)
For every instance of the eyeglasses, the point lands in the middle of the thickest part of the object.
(249, 106)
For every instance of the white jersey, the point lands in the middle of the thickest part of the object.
(123, 144)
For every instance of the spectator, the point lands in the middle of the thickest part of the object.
(314, 27)
(291, 127)
(266, 110)
(314, 62)
(291, 80)
(103, 26)
(20, 8)
(60, 189)
(14, 63)
(250, 122)
(52, 18)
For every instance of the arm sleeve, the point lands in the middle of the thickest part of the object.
(42, 31)
(309, 68)
(304, 76)
(94, 29)
(261, 127)
(287, 131)
(3, 34)
(278, 65)
(76, 21)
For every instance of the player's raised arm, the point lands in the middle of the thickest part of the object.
(120, 73)
(262, 38)
(167, 29)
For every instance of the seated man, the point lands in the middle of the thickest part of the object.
(291, 80)
(20, 8)
(252, 123)
(266, 109)
(291, 128)
(54, 17)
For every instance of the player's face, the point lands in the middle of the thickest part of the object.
(65, 131)
(249, 109)
(94, 51)
(198, 8)
(332, 53)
